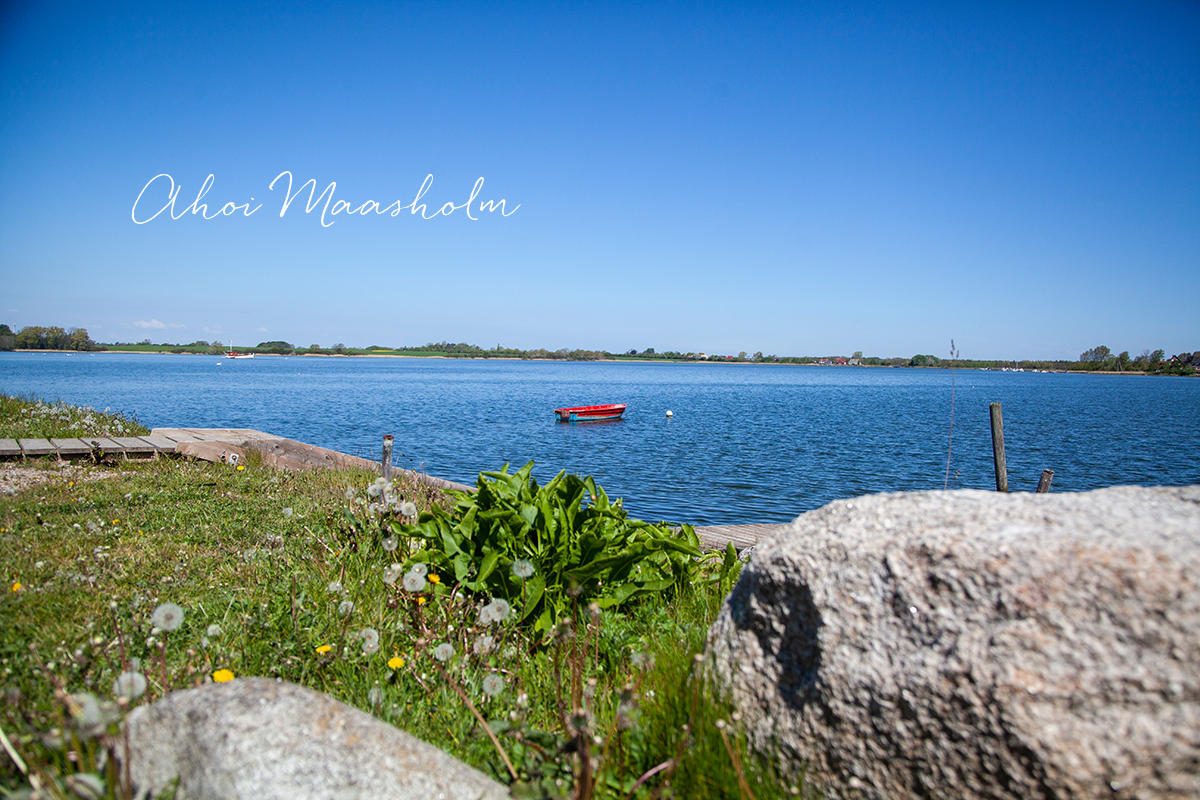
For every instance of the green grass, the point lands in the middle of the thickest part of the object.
(85, 564)
(30, 418)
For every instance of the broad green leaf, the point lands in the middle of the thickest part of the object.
(534, 587)
(488, 565)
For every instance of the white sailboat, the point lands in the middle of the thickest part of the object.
(232, 354)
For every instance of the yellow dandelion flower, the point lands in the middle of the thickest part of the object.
(433, 578)
(17, 586)
(420, 601)
(395, 662)
(325, 648)
(241, 467)
(222, 675)
(115, 521)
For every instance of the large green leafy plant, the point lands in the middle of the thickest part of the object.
(546, 549)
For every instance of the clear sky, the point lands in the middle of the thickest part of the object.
(800, 179)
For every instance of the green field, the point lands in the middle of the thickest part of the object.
(285, 575)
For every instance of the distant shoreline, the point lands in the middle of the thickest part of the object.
(631, 360)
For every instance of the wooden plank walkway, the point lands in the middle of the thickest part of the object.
(717, 537)
(82, 447)
(220, 444)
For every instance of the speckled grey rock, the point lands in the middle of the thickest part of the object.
(976, 645)
(260, 739)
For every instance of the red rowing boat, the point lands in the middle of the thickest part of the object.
(589, 413)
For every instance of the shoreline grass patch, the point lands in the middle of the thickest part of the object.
(31, 418)
(321, 578)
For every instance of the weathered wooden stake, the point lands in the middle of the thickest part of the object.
(385, 464)
(1044, 483)
(998, 447)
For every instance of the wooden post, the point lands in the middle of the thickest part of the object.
(1044, 483)
(385, 463)
(998, 447)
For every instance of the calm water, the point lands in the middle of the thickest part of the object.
(746, 444)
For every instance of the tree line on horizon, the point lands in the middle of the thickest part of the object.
(1096, 359)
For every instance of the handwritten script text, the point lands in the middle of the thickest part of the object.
(330, 208)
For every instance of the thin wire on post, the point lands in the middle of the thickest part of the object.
(950, 444)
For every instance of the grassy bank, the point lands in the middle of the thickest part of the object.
(27, 417)
(290, 576)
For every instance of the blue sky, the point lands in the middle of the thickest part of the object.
(797, 179)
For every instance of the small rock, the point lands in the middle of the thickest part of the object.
(261, 739)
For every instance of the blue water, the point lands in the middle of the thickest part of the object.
(747, 443)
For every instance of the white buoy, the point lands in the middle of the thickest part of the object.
(669, 414)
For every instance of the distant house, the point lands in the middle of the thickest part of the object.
(854, 362)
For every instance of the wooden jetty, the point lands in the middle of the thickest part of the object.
(83, 446)
(717, 537)
(225, 445)
(235, 445)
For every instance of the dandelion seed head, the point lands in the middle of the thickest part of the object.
(414, 582)
(493, 684)
(496, 611)
(213, 632)
(390, 543)
(129, 684)
(334, 587)
(408, 508)
(345, 607)
(287, 512)
(483, 645)
(419, 568)
(167, 616)
(369, 636)
(444, 651)
(91, 716)
(392, 573)
(522, 568)
(374, 490)
(370, 648)
(350, 492)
